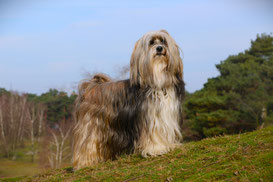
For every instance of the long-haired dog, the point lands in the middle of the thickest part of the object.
(142, 114)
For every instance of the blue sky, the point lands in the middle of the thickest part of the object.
(54, 43)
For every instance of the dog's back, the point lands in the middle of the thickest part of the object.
(105, 113)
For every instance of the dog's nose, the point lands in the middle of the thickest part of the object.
(159, 48)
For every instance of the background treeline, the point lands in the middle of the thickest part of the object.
(239, 99)
(36, 128)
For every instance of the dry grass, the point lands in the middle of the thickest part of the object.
(10, 168)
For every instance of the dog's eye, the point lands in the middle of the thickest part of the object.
(151, 42)
(163, 41)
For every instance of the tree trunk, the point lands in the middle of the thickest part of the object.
(41, 117)
(3, 133)
(32, 133)
(22, 115)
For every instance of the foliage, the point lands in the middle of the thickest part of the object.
(240, 98)
(59, 105)
(3, 91)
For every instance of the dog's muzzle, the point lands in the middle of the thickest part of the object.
(160, 50)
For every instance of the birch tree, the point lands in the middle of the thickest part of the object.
(59, 145)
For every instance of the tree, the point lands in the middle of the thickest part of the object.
(60, 145)
(59, 105)
(235, 100)
(20, 120)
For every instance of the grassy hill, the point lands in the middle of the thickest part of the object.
(243, 157)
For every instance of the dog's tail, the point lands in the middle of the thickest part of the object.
(88, 84)
(85, 88)
(100, 78)
(95, 80)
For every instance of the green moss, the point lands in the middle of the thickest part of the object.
(244, 157)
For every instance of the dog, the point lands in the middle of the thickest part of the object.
(142, 114)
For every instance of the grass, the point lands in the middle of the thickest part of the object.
(21, 165)
(244, 157)
(9, 168)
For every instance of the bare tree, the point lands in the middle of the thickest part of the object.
(2, 127)
(22, 116)
(19, 121)
(40, 122)
(15, 120)
(11, 109)
(32, 115)
(36, 120)
(59, 145)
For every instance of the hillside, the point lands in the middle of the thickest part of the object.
(243, 157)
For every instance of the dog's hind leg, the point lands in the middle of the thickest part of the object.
(86, 145)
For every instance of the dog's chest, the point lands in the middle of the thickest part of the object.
(163, 108)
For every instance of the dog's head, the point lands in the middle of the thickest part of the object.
(156, 61)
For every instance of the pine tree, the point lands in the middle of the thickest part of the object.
(240, 98)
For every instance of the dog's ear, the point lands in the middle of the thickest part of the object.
(165, 31)
(176, 65)
(134, 64)
(180, 65)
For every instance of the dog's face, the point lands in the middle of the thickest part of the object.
(156, 61)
